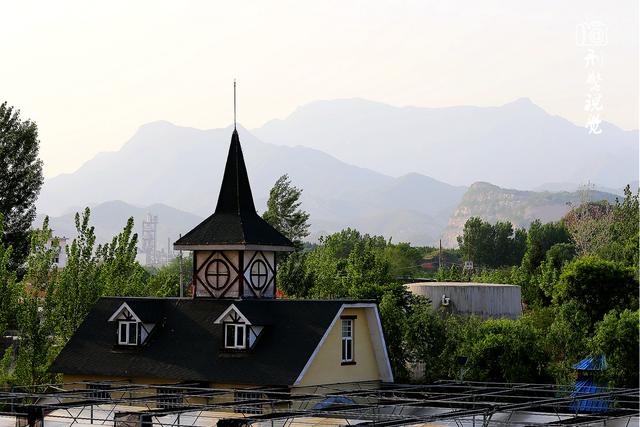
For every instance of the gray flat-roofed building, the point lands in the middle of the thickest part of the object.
(486, 300)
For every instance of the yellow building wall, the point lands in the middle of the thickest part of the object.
(326, 368)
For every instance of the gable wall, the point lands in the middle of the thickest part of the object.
(326, 368)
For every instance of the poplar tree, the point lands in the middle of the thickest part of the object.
(20, 179)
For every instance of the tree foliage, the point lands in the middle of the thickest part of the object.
(21, 172)
(597, 286)
(78, 287)
(284, 212)
(616, 336)
(492, 245)
(540, 238)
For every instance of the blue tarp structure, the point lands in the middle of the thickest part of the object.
(585, 385)
(591, 363)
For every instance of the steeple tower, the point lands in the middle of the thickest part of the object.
(234, 249)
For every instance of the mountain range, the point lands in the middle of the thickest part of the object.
(174, 172)
(516, 145)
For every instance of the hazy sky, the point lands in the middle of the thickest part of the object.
(91, 72)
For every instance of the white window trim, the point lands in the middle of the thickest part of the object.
(125, 340)
(232, 307)
(236, 326)
(344, 339)
(124, 305)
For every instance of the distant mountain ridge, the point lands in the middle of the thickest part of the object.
(109, 218)
(180, 168)
(516, 145)
(493, 203)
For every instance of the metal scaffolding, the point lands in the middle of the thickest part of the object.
(444, 403)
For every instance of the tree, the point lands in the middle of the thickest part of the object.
(540, 238)
(294, 279)
(165, 281)
(589, 225)
(20, 179)
(78, 287)
(426, 337)
(616, 336)
(284, 213)
(490, 245)
(120, 273)
(624, 230)
(505, 351)
(35, 350)
(476, 242)
(597, 286)
(8, 287)
(394, 324)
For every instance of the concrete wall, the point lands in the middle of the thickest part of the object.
(485, 300)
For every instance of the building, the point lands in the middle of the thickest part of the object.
(233, 332)
(59, 245)
(486, 300)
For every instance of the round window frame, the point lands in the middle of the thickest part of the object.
(253, 274)
(208, 274)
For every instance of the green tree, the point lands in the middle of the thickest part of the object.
(476, 242)
(284, 213)
(394, 324)
(624, 230)
(426, 338)
(8, 286)
(490, 245)
(35, 350)
(165, 281)
(78, 286)
(505, 351)
(597, 286)
(20, 179)
(294, 279)
(616, 336)
(120, 273)
(540, 238)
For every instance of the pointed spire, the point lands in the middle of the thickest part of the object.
(234, 104)
(235, 193)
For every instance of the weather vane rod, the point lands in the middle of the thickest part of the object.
(234, 104)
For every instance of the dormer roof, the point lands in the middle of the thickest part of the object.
(145, 310)
(235, 223)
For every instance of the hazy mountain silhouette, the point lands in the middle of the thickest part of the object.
(516, 145)
(182, 167)
(109, 219)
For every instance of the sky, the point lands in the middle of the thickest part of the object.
(90, 73)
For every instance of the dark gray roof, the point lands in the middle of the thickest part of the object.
(187, 346)
(235, 220)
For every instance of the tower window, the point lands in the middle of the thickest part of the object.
(347, 341)
(235, 336)
(259, 275)
(217, 274)
(127, 332)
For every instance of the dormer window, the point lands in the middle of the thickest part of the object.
(132, 328)
(127, 332)
(238, 332)
(235, 336)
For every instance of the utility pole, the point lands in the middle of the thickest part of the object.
(180, 262)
